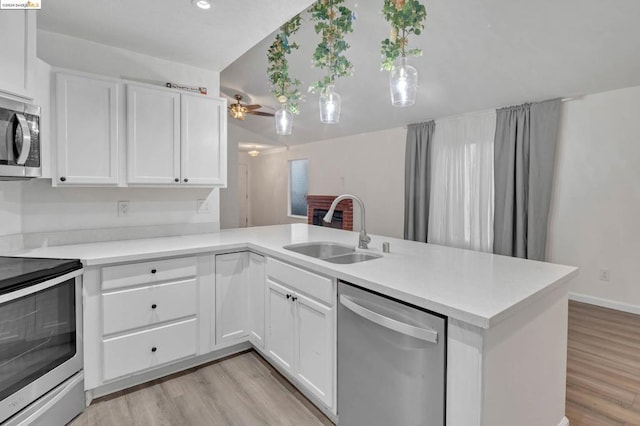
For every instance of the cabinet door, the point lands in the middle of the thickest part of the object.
(86, 130)
(231, 297)
(280, 332)
(315, 347)
(153, 136)
(256, 299)
(17, 66)
(204, 140)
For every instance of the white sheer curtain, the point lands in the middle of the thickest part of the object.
(462, 198)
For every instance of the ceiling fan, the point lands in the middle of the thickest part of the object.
(239, 110)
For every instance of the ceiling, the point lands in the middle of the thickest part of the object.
(171, 29)
(477, 55)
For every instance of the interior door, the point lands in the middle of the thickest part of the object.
(280, 312)
(243, 194)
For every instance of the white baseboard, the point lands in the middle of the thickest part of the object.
(564, 422)
(605, 303)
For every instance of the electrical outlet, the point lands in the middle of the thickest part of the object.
(202, 207)
(123, 208)
(605, 275)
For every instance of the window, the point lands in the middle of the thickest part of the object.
(298, 186)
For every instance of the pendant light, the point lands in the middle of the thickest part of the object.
(403, 82)
(330, 105)
(284, 121)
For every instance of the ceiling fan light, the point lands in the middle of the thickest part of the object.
(202, 4)
(330, 105)
(284, 121)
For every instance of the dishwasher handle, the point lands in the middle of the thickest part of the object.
(425, 334)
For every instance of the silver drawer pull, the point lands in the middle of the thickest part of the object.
(425, 334)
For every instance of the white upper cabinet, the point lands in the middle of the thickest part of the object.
(204, 141)
(153, 136)
(17, 61)
(174, 138)
(87, 126)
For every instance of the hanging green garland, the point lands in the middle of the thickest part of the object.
(283, 87)
(332, 21)
(406, 17)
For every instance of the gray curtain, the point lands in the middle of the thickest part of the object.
(417, 181)
(524, 155)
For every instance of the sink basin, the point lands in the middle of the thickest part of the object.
(321, 250)
(352, 258)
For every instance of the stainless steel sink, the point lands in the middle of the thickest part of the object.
(331, 252)
(352, 258)
(321, 250)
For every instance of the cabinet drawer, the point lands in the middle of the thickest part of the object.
(314, 285)
(128, 309)
(148, 272)
(135, 352)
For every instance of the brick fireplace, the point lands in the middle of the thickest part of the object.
(318, 206)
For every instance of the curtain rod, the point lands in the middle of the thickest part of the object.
(567, 99)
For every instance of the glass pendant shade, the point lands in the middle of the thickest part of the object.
(330, 105)
(403, 82)
(284, 121)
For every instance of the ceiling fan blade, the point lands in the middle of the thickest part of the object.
(252, 107)
(263, 114)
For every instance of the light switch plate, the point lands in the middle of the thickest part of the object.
(123, 208)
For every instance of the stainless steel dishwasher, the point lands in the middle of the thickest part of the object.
(391, 362)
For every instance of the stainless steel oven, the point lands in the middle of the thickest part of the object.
(41, 378)
(19, 140)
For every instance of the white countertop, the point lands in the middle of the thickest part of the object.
(478, 288)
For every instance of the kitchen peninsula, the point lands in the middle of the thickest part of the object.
(506, 317)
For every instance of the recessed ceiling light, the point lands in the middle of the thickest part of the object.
(202, 4)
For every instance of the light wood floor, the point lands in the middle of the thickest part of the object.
(603, 385)
(603, 367)
(239, 390)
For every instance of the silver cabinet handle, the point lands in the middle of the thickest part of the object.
(425, 334)
(26, 139)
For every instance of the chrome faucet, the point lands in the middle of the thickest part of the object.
(364, 239)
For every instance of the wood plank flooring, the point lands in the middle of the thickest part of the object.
(603, 367)
(240, 390)
(603, 385)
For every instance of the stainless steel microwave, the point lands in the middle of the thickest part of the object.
(19, 140)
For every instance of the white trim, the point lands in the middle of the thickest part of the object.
(564, 421)
(606, 303)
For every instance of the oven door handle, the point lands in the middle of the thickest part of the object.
(25, 146)
(26, 291)
(425, 334)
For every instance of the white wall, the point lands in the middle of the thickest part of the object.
(595, 210)
(10, 208)
(82, 55)
(369, 165)
(40, 208)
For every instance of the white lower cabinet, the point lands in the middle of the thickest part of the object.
(280, 325)
(314, 331)
(256, 299)
(143, 316)
(231, 307)
(140, 316)
(139, 351)
(301, 329)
